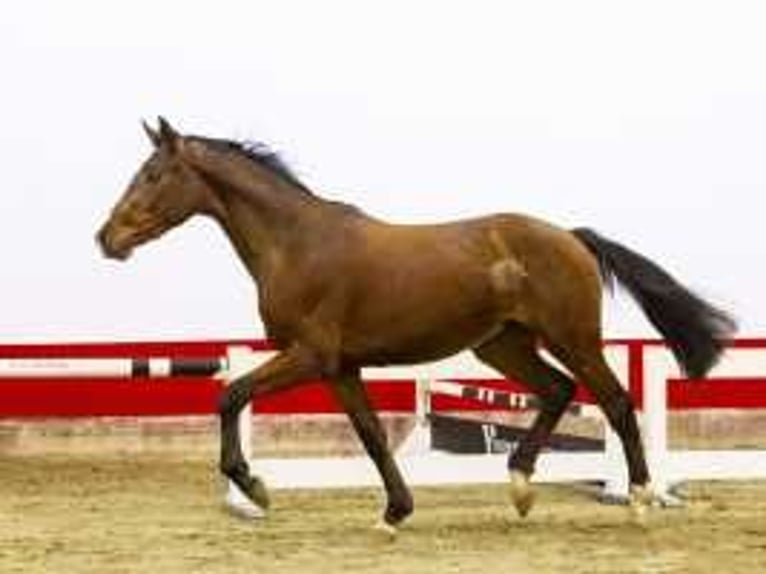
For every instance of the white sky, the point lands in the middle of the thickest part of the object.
(645, 120)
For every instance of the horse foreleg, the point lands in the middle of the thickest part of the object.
(282, 371)
(352, 395)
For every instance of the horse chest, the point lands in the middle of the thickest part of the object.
(282, 308)
(292, 304)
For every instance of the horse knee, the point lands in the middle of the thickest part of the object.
(564, 392)
(234, 398)
(225, 404)
(559, 395)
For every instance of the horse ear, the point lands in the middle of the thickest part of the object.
(168, 135)
(153, 134)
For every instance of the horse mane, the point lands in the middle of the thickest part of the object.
(259, 153)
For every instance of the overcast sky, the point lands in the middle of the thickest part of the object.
(645, 120)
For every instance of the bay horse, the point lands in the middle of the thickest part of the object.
(339, 290)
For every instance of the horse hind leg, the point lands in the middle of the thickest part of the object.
(591, 368)
(514, 354)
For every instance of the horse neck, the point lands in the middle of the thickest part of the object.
(264, 216)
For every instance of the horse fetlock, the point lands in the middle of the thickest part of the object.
(236, 470)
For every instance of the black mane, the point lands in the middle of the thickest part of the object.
(259, 153)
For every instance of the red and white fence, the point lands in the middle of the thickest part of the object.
(93, 380)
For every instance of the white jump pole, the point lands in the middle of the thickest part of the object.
(66, 368)
(659, 366)
(616, 482)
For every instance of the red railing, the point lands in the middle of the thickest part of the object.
(187, 396)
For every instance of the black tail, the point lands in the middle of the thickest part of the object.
(694, 329)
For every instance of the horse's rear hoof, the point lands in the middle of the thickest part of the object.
(522, 494)
(641, 498)
(389, 531)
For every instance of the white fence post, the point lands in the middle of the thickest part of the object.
(659, 366)
(418, 442)
(615, 472)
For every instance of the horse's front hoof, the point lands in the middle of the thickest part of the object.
(258, 493)
(522, 493)
(245, 508)
(241, 505)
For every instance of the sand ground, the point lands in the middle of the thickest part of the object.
(116, 513)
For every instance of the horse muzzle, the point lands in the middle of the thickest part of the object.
(111, 247)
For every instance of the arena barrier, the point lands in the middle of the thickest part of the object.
(645, 367)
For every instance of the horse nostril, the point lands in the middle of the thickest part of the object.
(101, 236)
(102, 240)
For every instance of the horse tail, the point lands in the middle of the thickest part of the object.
(694, 329)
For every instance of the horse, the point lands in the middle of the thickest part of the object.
(339, 290)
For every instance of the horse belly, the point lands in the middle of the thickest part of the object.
(399, 330)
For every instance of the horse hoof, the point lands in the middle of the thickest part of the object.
(246, 509)
(258, 493)
(241, 506)
(522, 494)
(388, 530)
(640, 499)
